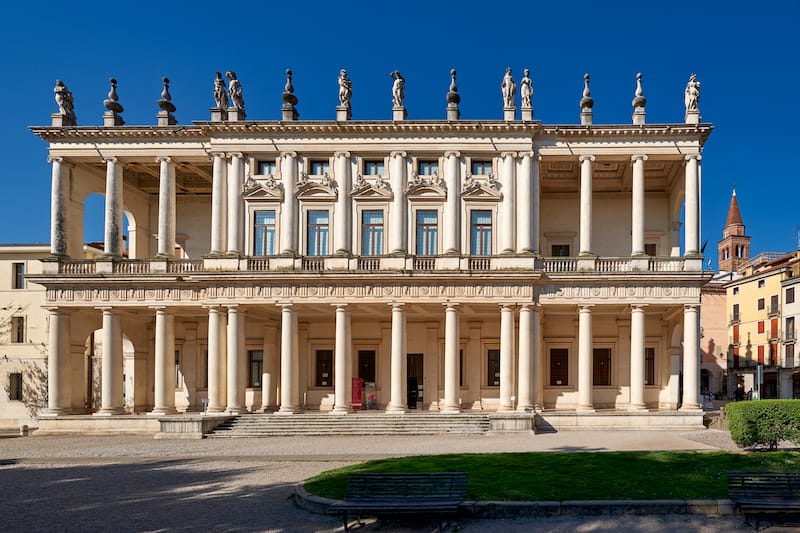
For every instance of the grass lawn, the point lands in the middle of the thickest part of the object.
(557, 476)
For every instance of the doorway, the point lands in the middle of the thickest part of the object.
(366, 365)
(414, 391)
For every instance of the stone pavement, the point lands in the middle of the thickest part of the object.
(141, 484)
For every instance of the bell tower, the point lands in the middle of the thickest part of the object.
(734, 248)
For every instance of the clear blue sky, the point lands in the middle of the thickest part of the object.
(744, 53)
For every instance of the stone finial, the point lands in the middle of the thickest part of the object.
(691, 100)
(398, 95)
(453, 98)
(586, 102)
(639, 102)
(165, 117)
(66, 106)
(111, 117)
(235, 92)
(343, 110)
(288, 110)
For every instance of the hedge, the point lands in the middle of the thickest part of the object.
(764, 422)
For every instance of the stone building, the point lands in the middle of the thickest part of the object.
(455, 264)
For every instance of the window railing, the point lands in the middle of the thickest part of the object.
(371, 263)
(258, 264)
(313, 265)
(480, 263)
(560, 264)
(424, 263)
(177, 266)
(613, 264)
(76, 266)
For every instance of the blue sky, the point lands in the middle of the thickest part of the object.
(744, 54)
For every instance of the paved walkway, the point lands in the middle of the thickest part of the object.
(142, 484)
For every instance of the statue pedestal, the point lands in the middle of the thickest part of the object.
(218, 115)
(527, 113)
(58, 120)
(510, 113)
(586, 117)
(452, 112)
(235, 114)
(693, 117)
(165, 118)
(638, 116)
(111, 118)
(288, 112)
(399, 113)
(342, 112)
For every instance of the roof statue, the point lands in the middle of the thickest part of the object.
(452, 94)
(526, 89)
(220, 94)
(345, 89)
(165, 103)
(692, 97)
(639, 102)
(508, 88)
(398, 89)
(66, 105)
(112, 103)
(235, 90)
(586, 102)
(288, 90)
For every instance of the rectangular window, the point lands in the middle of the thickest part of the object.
(17, 329)
(601, 376)
(427, 167)
(649, 366)
(373, 168)
(788, 356)
(790, 295)
(773, 328)
(761, 326)
(255, 364)
(760, 304)
(324, 368)
(320, 168)
(735, 290)
(761, 283)
(266, 168)
(761, 354)
(559, 250)
(372, 232)
(735, 313)
(19, 276)
(650, 249)
(427, 231)
(177, 368)
(317, 232)
(264, 232)
(773, 304)
(773, 354)
(493, 368)
(788, 331)
(481, 168)
(15, 386)
(480, 231)
(559, 367)
(736, 334)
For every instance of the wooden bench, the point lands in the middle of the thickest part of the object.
(761, 493)
(425, 494)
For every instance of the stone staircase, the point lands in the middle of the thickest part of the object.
(359, 424)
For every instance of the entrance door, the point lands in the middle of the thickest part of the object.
(366, 365)
(415, 380)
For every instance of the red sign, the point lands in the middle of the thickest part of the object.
(357, 394)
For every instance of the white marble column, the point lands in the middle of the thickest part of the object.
(451, 349)
(342, 175)
(637, 205)
(525, 365)
(506, 357)
(692, 205)
(166, 207)
(219, 216)
(113, 245)
(236, 356)
(506, 235)
(451, 223)
(216, 359)
(341, 361)
(525, 201)
(59, 369)
(397, 222)
(637, 358)
(586, 205)
(585, 358)
(536, 202)
(397, 401)
(59, 207)
(269, 375)
(288, 231)
(111, 379)
(288, 343)
(691, 357)
(536, 378)
(235, 222)
(164, 375)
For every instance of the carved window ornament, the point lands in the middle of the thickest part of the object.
(372, 186)
(267, 188)
(431, 186)
(316, 188)
(480, 187)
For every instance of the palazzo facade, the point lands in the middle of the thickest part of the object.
(456, 264)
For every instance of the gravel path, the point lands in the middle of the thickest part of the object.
(141, 484)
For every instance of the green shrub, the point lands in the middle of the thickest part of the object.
(764, 422)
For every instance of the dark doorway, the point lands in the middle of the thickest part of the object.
(770, 387)
(366, 365)
(415, 379)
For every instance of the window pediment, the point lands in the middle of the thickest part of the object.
(322, 188)
(432, 187)
(371, 189)
(267, 188)
(481, 188)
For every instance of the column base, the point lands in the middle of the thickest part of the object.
(163, 411)
(638, 409)
(395, 410)
(287, 410)
(215, 410)
(110, 411)
(505, 407)
(235, 410)
(341, 411)
(53, 412)
(267, 409)
(450, 409)
(585, 410)
(524, 408)
(691, 407)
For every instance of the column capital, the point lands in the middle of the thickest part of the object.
(397, 305)
(285, 305)
(586, 157)
(451, 305)
(638, 307)
(56, 159)
(639, 157)
(110, 159)
(157, 308)
(217, 153)
(55, 310)
(452, 153)
(398, 153)
(585, 308)
(509, 306)
(237, 155)
(512, 155)
(285, 155)
(691, 307)
(345, 154)
(212, 307)
(340, 306)
(234, 307)
(696, 157)
(163, 159)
